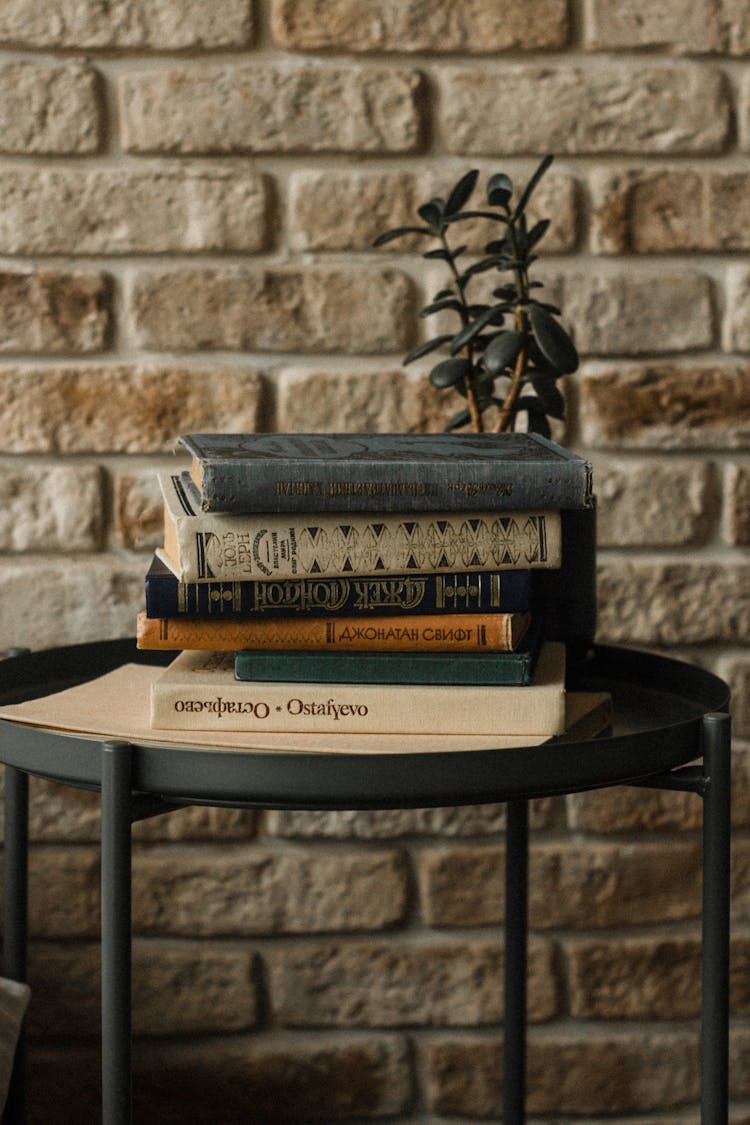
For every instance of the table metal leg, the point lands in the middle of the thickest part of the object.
(15, 916)
(516, 924)
(715, 956)
(116, 923)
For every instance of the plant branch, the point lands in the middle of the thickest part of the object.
(507, 410)
(471, 395)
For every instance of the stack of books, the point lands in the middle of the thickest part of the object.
(391, 583)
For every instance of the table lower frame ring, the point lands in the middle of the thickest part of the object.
(120, 808)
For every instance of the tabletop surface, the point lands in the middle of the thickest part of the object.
(659, 705)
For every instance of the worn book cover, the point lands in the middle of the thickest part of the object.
(215, 546)
(385, 472)
(465, 633)
(198, 691)
(507, 591)
(300, 665)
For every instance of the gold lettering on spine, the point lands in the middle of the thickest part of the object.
(494, 590)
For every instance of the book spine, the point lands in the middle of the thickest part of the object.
(386, 667)
(466, 633)
(506, 591)
(380, 485)
(565, 599)
(236, 548)
(363, 708)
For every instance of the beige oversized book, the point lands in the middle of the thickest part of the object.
(198, 691)
(203, 546)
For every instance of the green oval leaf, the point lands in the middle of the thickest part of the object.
(499, 190)
(473, 328)
(549, 395)
(526, 196)
(438, 306)
(503, 351)
(460, 418)
(426, 348)
(450, 372)
(461, 192)
(554, 342)
(431, 213)
(398, 232)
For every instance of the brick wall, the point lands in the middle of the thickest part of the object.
(188, 194)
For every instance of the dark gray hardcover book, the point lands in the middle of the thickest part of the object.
(565, 599)
(277, 473)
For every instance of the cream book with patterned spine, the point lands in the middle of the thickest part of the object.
(202, 546)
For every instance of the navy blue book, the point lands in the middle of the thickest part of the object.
(302, 666)
(502, 591)
(279, 473)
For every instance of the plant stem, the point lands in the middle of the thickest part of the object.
(507, 411)
(471, 396)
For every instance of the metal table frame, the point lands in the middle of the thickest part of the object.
(138, 782)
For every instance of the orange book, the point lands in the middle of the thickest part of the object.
(465, 632)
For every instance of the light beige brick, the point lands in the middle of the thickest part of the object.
(156, 25)
(737, 329)
(138, 510)
(673, 603)
(344, 210)
(50, 508)
(430, 985)
(259, 107)
(123, 409)
(385, 824)
(378, 402)
(49, 602)
(682, 26)
(614, 107)
(737, 514)
(624, 809)
(64, 894)
(49, 108)
(318, 309)
(330, 1079)
(736, 672)
(593, 1073)
(63, 210)
(53, 311)
(646, 978)
(179, 988)
(255, 892)
(638, 312)
(654, 503)
(662, 406)
(478, 27)
(571, 885)
(648, 210)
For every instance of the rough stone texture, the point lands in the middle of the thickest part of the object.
(156, 25)
(737, 674)
(124, 409)
(62, 210)
(428, 985)
(385, 824)
(613, 107)
(648, 210)
(737, 514)
(48, 108)
(286, 107)
(737, 328)
(581, 886)
(53, 311)
(138, 510)
(654, 503)
(46, 508)
(61, 814)
(435, 26)
(178, 989)
(673, 603)
(608, 1073)
(683, 26)
(661, 406)
(330, 1079)
(378, 402)
(638, 312)
(64, 892)
(646, 978)
(258, 892)
(346, 210)
(336, 309)
(50, 601)
(623, 809)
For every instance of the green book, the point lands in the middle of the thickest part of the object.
(477, 668)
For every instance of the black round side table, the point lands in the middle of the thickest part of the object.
(671, 730)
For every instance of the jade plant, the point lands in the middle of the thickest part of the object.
(516, 342)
